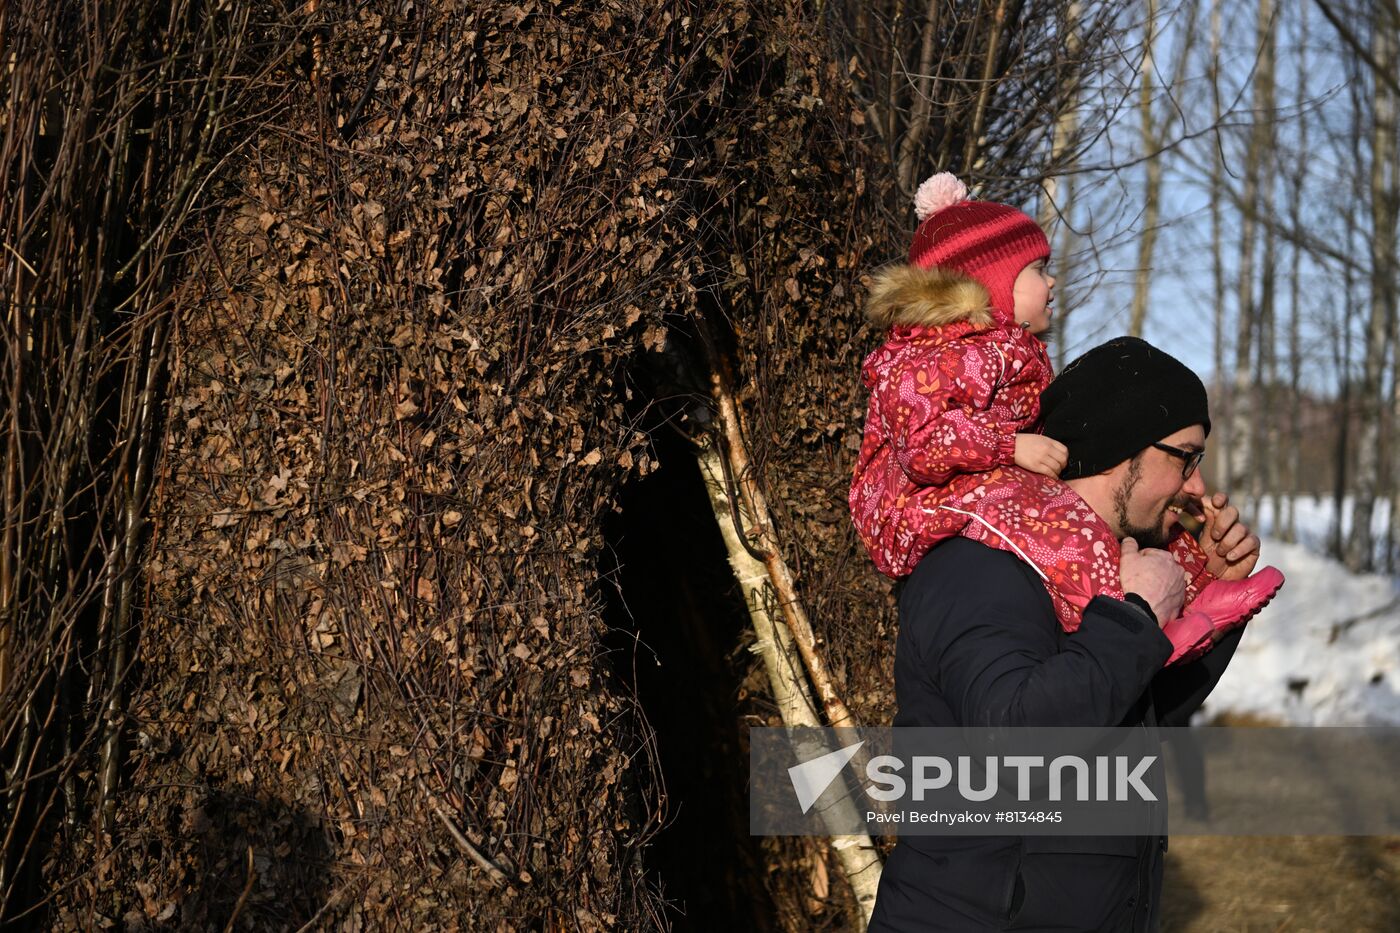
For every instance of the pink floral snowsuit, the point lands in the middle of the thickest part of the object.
(937, 460)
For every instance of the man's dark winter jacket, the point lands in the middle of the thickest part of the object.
(979, 644)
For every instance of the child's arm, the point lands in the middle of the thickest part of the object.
(1041, 454)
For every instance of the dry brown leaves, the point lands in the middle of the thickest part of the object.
(399, 412)
(397, 418)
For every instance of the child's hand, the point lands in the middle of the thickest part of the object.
(1041, 454)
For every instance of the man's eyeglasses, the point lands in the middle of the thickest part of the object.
(1190, 459)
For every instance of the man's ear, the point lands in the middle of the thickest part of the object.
(1114, 480)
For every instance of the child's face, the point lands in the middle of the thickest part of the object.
(1033, 296)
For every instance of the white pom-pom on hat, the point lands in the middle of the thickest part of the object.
(940, 191)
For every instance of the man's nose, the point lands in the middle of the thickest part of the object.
(1195, 485)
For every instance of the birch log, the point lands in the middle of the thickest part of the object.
(774, 644)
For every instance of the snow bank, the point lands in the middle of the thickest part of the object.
(1326, 651)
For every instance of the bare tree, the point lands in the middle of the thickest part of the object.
(1240, 460)
(908, 166)
(1152, 182)
(952, 87)
(1341, 327)
(1063, 246)
(1266, 427)
(1385, 176)
(1286, 511)
(1217, 264)
(1264, 440)
(1155, 134)
(1379, 328)
(1057, 191)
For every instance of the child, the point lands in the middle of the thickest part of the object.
(950, 447)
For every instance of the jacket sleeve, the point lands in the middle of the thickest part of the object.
(939, 415)
(1177, 692)
(984, 627)
(1187, 552)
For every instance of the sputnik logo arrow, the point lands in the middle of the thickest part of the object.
(811, 778)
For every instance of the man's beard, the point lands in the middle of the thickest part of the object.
(1145, 535)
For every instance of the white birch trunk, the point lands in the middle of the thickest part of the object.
(858, 858)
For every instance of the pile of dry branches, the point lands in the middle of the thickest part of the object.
(116, 120)
(320, 333)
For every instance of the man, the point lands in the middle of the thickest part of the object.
(980, 645)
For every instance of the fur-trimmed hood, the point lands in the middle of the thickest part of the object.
(906, 295)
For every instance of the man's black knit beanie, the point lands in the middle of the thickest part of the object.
(1116, 400)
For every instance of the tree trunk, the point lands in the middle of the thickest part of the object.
(1224, 401)
(1368, 480)
(1054, 204)
(1264, 478)
(1342, 351)
(1285, 520)
(1057, 192)
(1240, 456)
(1152, 182)
(1387, 32)
(894, 77)
(859, 859)
(912, 144)
(984, 91)
(1064, 297)
(1264, 437)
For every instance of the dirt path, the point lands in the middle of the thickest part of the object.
(1244, 884)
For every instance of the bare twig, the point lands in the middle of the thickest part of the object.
(1359, 48)
(242, 898)
(493, 871)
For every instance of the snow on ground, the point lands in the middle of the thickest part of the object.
(1326, 651)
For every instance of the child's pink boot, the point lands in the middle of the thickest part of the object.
(1191, 635)
(1231, 603)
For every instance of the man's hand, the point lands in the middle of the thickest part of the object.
(1041, 454)
(1231, 549)
(1153, 575)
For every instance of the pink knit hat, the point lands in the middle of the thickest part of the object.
(983, 240)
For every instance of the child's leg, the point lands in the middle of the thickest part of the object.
(1228, 603)
(1049, 526)
(1186, 551)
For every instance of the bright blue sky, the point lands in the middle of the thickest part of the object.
(1181, 316)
